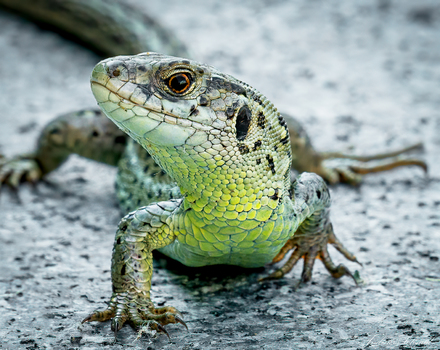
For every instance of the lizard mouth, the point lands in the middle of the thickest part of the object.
(117, 101)
(142, 121)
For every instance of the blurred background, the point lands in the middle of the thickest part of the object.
(360, 75)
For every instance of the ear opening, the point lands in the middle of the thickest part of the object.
(243, 122)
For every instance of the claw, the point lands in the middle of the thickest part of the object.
(309, 262)
(100, 315)
(162, 329)
(340, 270)
(276, 275)
(117, 324)
(357, 278)
(33, 176)
(182, 322)
(358, 262)
(297, 285)
(344, 271)
(87, 319)
(14, 178)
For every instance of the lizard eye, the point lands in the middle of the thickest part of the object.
(179, 83)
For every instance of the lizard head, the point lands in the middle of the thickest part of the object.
(196, 122)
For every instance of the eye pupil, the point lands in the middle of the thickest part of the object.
(179, 83)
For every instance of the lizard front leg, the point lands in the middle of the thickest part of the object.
(312, 199)
(138, 234)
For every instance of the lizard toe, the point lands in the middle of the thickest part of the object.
(137, 311)
(312, 247)
(182, 322)
(16, 170)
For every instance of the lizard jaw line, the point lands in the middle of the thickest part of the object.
(196, 125)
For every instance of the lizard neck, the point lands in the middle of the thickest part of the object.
(229, 174)
(213, 187)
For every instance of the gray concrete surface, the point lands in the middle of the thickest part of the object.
(361, 75)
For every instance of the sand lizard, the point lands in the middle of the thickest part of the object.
(225, 195)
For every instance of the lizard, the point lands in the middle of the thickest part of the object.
(204, 173)
(110, 28)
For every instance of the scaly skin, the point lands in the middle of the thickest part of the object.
(223, 196)
(228, 150)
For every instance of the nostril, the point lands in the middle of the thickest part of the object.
(114, 69)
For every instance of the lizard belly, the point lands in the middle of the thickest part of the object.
(249, 243)
(196, 257)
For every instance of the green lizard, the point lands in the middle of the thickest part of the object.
(215, 185)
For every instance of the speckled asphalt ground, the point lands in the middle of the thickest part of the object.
(360, 75)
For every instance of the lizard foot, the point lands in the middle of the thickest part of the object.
(352, 173)
(138, 311)
(19, 169)
(312, 248)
